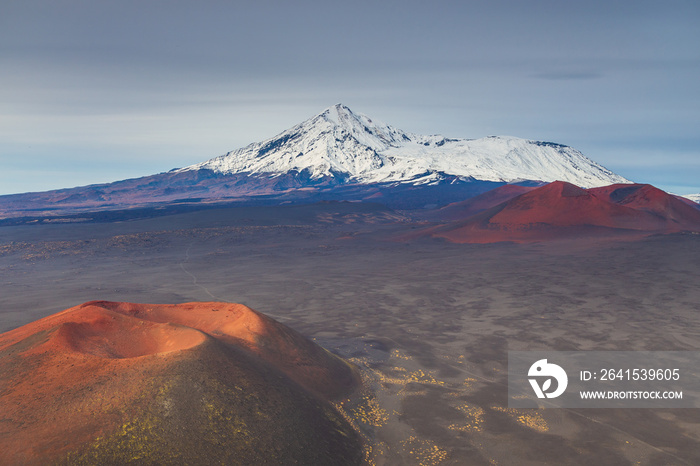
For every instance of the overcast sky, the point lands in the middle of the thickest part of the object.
(95, 91)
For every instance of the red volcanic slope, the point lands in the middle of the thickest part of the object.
(650, 199)
(93, 383)
(687, 201)
(560, 209)
(474, 205)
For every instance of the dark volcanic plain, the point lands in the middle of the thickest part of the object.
(428, 322)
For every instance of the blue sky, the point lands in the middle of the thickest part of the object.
(99, 91)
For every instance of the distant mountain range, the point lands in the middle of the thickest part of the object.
(336, 155)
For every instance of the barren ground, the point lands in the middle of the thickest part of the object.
(429, 322)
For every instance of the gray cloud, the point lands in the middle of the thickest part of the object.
(568, 75)
(162, 84)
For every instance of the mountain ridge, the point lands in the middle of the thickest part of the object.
(561, 210)
(345, 146)
(692, 197)
(335, 155)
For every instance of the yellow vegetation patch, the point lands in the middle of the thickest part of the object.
(399, 355)
(475, 419)
(528, 418)
(424, 452)
(369, 412)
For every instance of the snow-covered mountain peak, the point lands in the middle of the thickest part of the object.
(341, 116)
(361, 127)
(348, 147)
(338, 114)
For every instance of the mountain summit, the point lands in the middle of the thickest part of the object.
(336, 155)
(341, 145)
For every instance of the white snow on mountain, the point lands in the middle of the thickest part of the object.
(354, 148)
(693, 197)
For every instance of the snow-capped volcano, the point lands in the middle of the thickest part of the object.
(350, 147)
(336, 155)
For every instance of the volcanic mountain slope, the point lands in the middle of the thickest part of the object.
(324, 156)
(562, 210)
(464, 209)
(693, 197)
(341, 145)
(196, 383)
(650, 199)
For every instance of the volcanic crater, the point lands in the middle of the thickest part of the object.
(112, 383)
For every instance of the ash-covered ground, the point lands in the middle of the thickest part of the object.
(428, 322)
